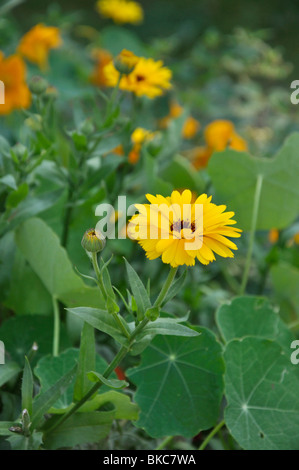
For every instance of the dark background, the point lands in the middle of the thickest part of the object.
(166, 17)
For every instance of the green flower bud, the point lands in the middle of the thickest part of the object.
(34, 122)
(25, 422)
(38, 85)
(93, 241)
(87, 127)
(152, 313)
(125, 62)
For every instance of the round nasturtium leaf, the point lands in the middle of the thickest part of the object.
(261, 386)
(179, 384)
(252, 316)
(234, 176)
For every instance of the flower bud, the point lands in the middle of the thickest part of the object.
(20, 151)
(34, 122)
(38, 85)
(87, 127)
(125, 62)
(93, 241)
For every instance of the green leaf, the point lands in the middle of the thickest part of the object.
(49, 369)
(86, 361)
(175, 287)
(101, 320)
(20, 442)
(31, 207)
(234, 176)
(9, 181)
(80, 428)
(285, 279)
(19, 334)
(15, 197)
(8, 371)
(166, 326)
(123, 407)
(252, 316)
(43, 402)
(111, 383)
(27, 387)
(180, 173)
(113, 39)
(41, 248)
(262, 393)
(139, 291)
(179, 385)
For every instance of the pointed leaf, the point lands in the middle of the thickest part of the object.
(111, 383)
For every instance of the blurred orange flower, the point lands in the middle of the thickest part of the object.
(102, 58)
(219, 135)
(138, 137)
(35, 44)
(12, 74)
(191, 125)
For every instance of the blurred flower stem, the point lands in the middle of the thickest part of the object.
(255, 210)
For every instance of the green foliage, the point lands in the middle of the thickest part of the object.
(180, 375)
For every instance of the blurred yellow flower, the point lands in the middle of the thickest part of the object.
(191, 125)
(148, 78)
(138, 137)
(12, 74)
(102, 58)
(181, 237)
(219, 135)
(35, 44)
(121, 11)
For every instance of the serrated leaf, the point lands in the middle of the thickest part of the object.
(179, 385)
(262, 394)
(234, 176)
(111, 383)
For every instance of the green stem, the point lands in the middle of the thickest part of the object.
(56, 327)
(94, 259)
(165, 442)
(212, 433)
(255, 211)
(166, 287)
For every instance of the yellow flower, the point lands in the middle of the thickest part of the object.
(102, 58)
(35, 44)
(121, 11)
(219, 135)
(138, 137)
(273, 235)
(148, 78)
(191, 125)
(181, 230)
(12, 74)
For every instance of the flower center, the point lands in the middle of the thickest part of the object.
(140, 78)
(181, 224)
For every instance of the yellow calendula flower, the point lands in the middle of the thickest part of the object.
(191, 125)
(139, 137)
(36, 44)
(16, 91)
(148, 78)
(121, 11)
(181, 229)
